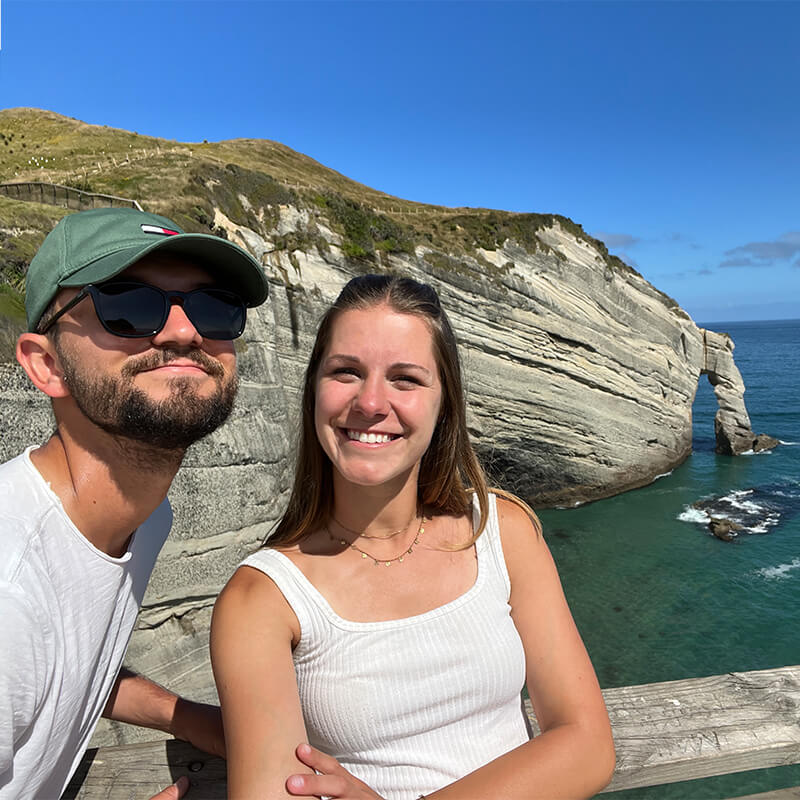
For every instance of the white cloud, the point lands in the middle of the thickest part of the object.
(764, 254)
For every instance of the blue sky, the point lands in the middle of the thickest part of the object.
(670, 130)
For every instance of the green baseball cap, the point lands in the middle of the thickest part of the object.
(93, 246)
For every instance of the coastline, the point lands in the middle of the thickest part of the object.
(657, 597)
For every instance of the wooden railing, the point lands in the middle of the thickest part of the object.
(664, 732)
(55, 194)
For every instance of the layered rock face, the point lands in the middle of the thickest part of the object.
(580, 379)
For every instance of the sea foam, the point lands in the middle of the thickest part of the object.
(739, 506)
(781, 571)
(690, 514)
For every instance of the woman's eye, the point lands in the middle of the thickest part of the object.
(345, 372)
(405, 381)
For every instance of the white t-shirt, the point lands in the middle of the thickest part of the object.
(67, 611)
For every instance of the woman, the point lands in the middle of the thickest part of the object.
(394, 615)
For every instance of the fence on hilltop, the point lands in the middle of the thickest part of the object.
(56, 194)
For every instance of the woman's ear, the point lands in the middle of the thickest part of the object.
(37, 356)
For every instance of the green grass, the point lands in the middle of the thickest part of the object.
(12, 303)
(364, 230)
(23, 227)
(12, 320)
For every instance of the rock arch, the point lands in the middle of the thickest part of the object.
(732, 422)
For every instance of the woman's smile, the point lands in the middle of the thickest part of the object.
(370, 437)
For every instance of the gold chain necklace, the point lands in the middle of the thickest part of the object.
(385, 561)
(370, 536)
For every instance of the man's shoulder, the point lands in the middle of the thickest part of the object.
(23, 641)
(18, 480)
(23, 502)
(21, 614)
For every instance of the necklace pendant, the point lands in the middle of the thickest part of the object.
(364, 556)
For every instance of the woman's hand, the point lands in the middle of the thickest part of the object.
(332, 780)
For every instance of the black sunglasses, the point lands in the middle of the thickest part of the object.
(137, 310)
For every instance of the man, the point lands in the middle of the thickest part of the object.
(131, 325)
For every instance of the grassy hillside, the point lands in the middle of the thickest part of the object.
(188, 181)
(163, 174)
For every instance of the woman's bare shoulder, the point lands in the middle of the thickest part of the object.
(251, 593)
(516, 517)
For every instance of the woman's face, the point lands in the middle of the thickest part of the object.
(378, 395)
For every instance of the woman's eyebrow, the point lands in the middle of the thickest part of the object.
(343, 357)
(410, 366)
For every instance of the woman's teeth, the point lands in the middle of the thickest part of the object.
(369, 438)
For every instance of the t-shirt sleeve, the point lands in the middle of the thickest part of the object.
(21, 665)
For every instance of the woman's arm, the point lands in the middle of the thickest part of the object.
(574, 755)
(252, 632)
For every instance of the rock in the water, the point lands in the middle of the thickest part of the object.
(751, 511)
(732, 422)
(764, 442)
(724, 529)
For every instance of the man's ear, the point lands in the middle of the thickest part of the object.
(37, 356)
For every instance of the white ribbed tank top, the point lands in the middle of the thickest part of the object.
(410, 705)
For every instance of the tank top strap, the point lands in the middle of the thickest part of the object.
(490, 547)
(300, 594)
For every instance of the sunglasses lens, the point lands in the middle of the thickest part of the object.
(215, 313)
(131, 309)
(135, 309)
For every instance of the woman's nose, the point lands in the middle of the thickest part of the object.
(371, 399)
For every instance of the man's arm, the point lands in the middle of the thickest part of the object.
(139, 701)
(21, 670)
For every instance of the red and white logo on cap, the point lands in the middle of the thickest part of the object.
(158, 229)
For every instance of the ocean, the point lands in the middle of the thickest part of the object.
(657, 597)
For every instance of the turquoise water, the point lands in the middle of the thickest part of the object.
(656, 597)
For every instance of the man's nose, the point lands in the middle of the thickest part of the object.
(178, 329)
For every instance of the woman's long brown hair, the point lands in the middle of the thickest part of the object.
(449, 471)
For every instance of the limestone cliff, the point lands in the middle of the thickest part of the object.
(580, 374)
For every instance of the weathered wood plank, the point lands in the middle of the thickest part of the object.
(699, 727)
(664, 732)
(138, 771)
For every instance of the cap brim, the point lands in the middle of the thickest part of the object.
(232, 267)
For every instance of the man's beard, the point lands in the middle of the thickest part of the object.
(118, 407)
